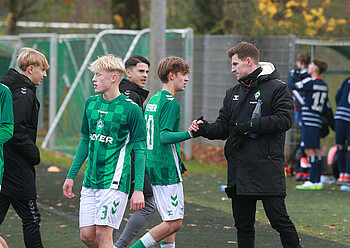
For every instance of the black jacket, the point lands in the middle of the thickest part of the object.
(257, 168)
(133, 91)
(138, 95)
(21, 152)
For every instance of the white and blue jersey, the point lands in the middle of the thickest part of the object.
(342, 98)
(315, 98)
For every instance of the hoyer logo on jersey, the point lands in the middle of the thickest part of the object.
(101, 138)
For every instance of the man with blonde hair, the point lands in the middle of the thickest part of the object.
(112, 125)
(21, 153)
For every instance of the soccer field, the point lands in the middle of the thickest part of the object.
(208, 221)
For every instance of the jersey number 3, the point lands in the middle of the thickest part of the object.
(150, 131)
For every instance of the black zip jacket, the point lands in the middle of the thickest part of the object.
(257, 167)
(138, 95)
(20, 152)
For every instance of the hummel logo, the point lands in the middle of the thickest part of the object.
(235, 98)
(174, 201)
(115, 205)
(102, 112)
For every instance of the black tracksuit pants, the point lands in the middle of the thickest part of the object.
(244, 208)
(27, 210)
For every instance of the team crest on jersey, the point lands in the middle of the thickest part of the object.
(100, 124)
(257, 94)
(235, 98)
(151, 107)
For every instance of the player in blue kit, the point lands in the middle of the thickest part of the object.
(315, 100)
(342, 130)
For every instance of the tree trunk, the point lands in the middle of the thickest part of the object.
(13, 15)
(126, 14)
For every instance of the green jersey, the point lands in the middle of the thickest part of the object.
(6, 122)
(163, 160)
(112, 127)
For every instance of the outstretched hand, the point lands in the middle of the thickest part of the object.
(197, 127)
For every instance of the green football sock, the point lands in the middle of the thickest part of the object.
(164, 244)
(138, 244)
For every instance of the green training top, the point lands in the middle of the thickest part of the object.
(163, 163)
(111, 127)
(6, 122)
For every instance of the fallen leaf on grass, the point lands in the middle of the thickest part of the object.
(63, 225)
(59, 204)
(191, 225)
(227, 227)
(231, 242)
(207, 225)
(53, 169)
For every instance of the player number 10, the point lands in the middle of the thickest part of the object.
(150, 131)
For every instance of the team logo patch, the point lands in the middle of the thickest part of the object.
(151, 107)
(257, 94)
(235, 98)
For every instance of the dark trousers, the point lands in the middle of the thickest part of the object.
(244, 208)
(27, 210)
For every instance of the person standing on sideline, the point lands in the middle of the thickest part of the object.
(136, 69)
(112, 125)
(163, 164)
(21, 153)
(342, 130)
(315, 102)
(296, 75)
(6, 122)
(254, 147)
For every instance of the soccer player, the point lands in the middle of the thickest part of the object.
(296, 75)
(163, 164)
(342, 130)
(21, 153)
(6, 122)
(136, 70)
(315, 100)
(112, 125)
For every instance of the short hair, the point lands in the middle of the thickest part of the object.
(108, 63)
(29, 56)
(174, 64)
(304, 58)
(244, 50)
(134, 60)
(321, 64)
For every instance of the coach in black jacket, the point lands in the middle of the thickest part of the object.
(255, 165)
(21, 153)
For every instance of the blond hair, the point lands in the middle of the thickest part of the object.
(108, 63)
(29, 56)
(174, 64)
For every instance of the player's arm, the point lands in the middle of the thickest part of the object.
(168, 137)
(137, 200)
(6, 115)
(79, 159)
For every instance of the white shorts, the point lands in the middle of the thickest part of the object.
(170, 201)
(102, 207)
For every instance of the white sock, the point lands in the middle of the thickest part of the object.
(148, 240)
(168, 245)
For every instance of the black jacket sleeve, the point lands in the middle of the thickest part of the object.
(220, 128)
(135, 97)
(21, 141)
(281, 118)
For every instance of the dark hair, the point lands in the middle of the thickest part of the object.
(174, 64)
(243, 51)
(134, 60)
(321, 64)
(304, 58)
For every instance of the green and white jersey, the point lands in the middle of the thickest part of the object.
(163, 161)
(112, 127)
(6, 118)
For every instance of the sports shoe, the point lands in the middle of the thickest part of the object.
(341, 177)
(310, 186)
(299, 176)
(346, 178)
